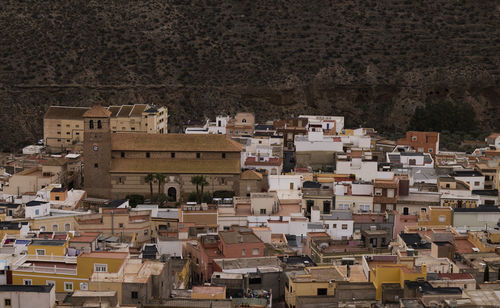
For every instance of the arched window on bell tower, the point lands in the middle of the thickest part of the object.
(91, 124)
(99, 124)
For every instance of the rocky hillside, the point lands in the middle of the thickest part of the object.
(374, 61)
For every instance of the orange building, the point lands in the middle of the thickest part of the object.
(424, 142)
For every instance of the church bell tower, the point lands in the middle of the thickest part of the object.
(97, 152)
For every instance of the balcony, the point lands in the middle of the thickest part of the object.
(42, 258)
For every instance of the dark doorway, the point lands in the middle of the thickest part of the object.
(172, 194)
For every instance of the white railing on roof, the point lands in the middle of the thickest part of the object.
(28, 267)
(51, 258)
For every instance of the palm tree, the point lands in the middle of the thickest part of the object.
(203, 183)
(196, 180)
(150, 178)
(161, 179)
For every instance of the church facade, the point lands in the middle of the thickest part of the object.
(116, 164)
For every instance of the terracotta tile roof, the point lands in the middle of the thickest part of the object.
(125, 111)
(114, 110)
(107, 255)
(455, 276)
(273, 161)
(173, 143)
(137, 110)
(175, 166)
(64, 112)
(97, 112)
(250, 175)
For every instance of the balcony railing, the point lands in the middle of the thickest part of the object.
(28, 267)
(46, 258)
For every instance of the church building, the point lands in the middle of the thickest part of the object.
(116, 164)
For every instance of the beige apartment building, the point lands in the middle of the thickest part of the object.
(63, 125)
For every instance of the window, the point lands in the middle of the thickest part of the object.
(57, 198)
(342, 206)
(413, 138)
(99, 124)
(134, 294)
(146, 232)
(334, 226)
(389, 207)
(390, 193)
(442, 218)
(100, 268)
(37, 212)
(364, 208)
(255, 252)
(420, 150)
(132, 128)
(447, 185)
(243, 252)
(120, 225)
(430, 150)
(378, 191)
(198, 155)
(67, 227)
(67, 133)
(40, 252)
(96, 165)
(291, 186)
(321, 291)
(27, 282)
(476, 183)
(223, 155)
(263, 211)
(58, 125)
(55, 227)
(91, 124)
(68, 286)
(77, 133)
(84, 286)
(344, 226)
(376, 208)
(122, 154)
(148, 155)
(7, 302)
(255, 280)
(172, 155)
(244, 120)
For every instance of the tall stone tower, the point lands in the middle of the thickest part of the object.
(97, 152)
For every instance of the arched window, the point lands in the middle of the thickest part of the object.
(244, 120)
(91, 124)
(99, 124)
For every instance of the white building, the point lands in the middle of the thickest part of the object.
(286, 186)
(28, 296)
(36, 209)
(326, 122)
(411, 159)
(339, 224)
(472, 177)
(364, 168)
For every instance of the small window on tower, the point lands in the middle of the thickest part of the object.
(198, 155)
(223, 155)
(91, 124)
(99, 124)
(96, 165)
(122, 154)
(148, 155)
(172, 155)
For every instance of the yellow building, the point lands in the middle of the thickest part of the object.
(312, 281)
(395, 273)
(41, 247)
(67, 273)
(63, 125)
(437, 216)
(62, 222)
